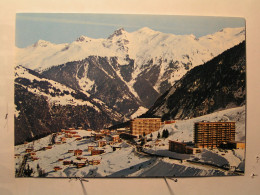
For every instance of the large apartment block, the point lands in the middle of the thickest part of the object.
(212, 134)
(139, 126)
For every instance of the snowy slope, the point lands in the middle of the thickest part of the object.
(64, 97)
(141, 45)
(122, 163)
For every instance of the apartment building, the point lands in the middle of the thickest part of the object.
(139, 126)
(213, 134)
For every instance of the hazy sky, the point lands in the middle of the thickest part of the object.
(65, 28)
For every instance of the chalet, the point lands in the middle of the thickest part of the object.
(111, 143)
(68, 135)
(94, 162)
(28, 150)
(78, 139)
(73, 132)
(25, 142)
(72, 128)
(32, 153)
(66, 162)
(96, 152)
(80, 165)
(63, 139)
(115, 138)
(81, 158)
(77, 152)
(58, 143)
(61, 159)
(49, 147)
(70, 151)
(101, 143)
(57, 168)
(34, 158)
(98, 136)
(77, 136)
(107, 132)
(90, 148)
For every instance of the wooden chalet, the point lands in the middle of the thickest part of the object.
(77, 152)
(94, 162)
(66, 162)
(57, 168)
(80, 165)
(28, 150)
(34, 158)
(97, 152)
(101, 143)
(90, 148)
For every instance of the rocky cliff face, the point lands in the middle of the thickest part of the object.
(216, 85)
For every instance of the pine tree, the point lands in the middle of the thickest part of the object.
(163, 134)
(166, 133)
(158, 136)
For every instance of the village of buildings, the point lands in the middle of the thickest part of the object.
(134, 150)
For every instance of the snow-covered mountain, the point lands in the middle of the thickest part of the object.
(44, 106)
(216, 85)
(144, 63)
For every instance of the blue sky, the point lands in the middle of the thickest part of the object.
(65, 28)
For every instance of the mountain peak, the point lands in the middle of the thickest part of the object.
(145, 30)
(82, 38)
(117, 32)
(41, 43)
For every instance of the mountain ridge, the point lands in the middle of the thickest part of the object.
(216, 85)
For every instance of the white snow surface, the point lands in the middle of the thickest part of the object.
(142, 46)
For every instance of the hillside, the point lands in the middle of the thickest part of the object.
(44, 106)
(216, 85)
